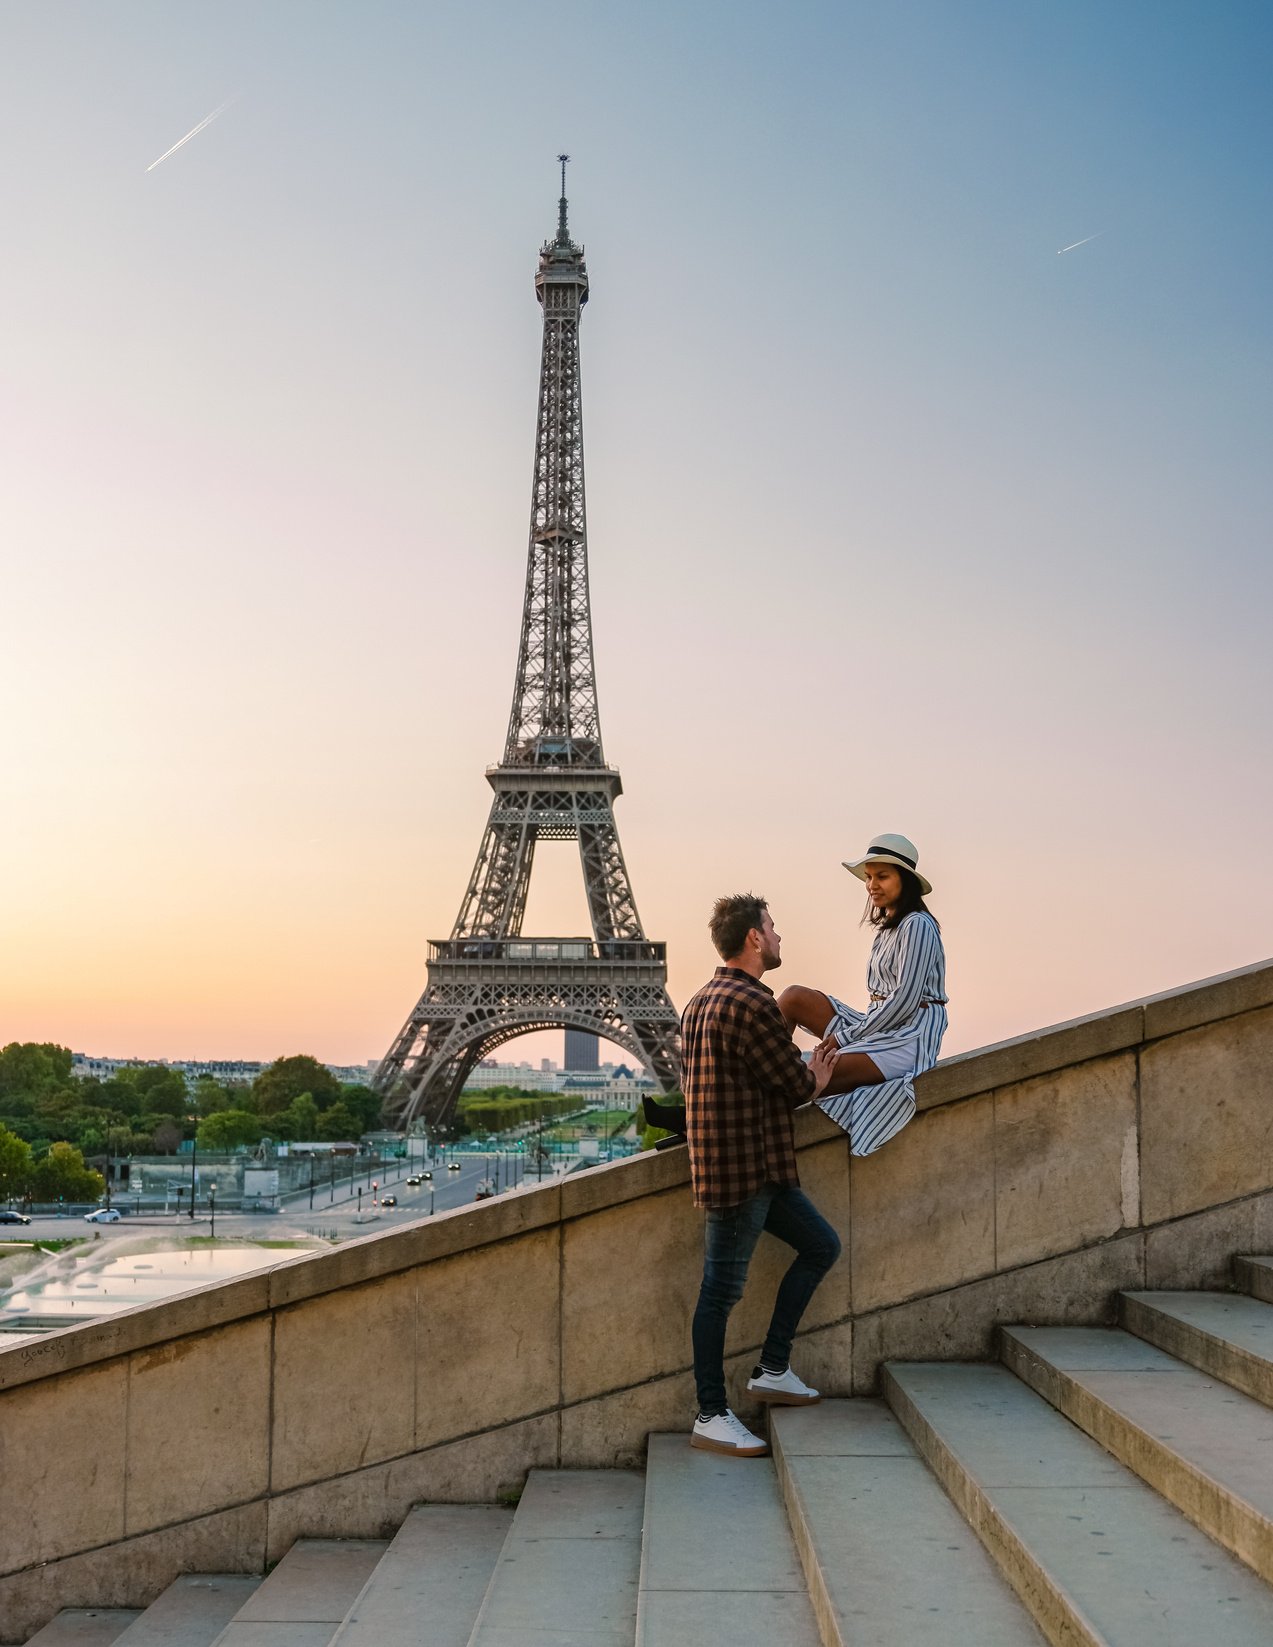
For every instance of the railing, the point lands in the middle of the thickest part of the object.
(520, 950)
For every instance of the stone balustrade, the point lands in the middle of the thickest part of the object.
(441, 1361)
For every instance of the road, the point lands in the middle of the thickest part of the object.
(446, 1190)
(338, 1217)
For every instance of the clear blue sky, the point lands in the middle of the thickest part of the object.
(899, 520)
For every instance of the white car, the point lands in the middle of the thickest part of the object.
(103, 1215)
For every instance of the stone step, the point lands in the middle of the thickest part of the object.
(1255, 1275)
(887, 1556)
(85, 1627)
(192, 1611)
(567, 1574)
(1221, 1333)
(1097, 1556)
(429, 1584)
(1203, 1446)
(303, 1602)
(718, 1564)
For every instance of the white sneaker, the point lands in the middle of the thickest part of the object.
(727, 1434)
(782, 1389)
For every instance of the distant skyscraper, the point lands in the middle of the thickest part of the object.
(581, 1050)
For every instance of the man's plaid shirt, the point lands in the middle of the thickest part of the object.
(742, 1077)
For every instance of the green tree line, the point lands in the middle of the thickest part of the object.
(496, 1109)
(49, 1120)
(58, 1175)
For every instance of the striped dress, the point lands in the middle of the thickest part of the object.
(905, 1022)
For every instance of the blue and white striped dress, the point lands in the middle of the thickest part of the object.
(904, 1024)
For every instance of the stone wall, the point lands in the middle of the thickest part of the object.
(443, 1360)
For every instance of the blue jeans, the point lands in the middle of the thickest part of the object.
(731, 1236)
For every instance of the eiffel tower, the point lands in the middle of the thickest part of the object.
(488, 982)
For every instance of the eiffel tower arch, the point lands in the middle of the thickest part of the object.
(488, 982)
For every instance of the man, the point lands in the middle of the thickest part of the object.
(743, 1077)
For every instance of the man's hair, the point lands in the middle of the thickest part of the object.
(732, 919)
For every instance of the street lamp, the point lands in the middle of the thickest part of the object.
(212, 1206)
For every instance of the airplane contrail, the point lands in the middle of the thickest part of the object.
(194, 132)
(1063, 248)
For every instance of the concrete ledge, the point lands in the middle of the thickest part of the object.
(549, 1326)
(619, 1181)
(461, 1229)
(135, 1329)
(1038, 1053)
(1223, 996)
(536, 1206)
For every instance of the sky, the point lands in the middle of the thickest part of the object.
(898, 520)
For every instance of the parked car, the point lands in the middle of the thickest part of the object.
(7, 1217)
(103, 1215)
(388, 1200)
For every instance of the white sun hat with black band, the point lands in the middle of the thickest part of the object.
(890, 849)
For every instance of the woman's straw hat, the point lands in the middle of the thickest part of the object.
(890, 849)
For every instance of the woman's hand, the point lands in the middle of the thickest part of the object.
(822, 1063)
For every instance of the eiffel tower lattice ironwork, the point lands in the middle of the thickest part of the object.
(488, 983)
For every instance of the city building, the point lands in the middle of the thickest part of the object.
(230, 1072)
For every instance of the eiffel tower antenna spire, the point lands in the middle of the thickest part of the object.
(487, 983)
(563, 233)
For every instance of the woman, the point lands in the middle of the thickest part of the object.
(871, 1094)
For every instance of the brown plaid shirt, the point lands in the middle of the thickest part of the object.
(742, 1077)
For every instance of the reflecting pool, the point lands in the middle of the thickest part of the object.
(81, 1288)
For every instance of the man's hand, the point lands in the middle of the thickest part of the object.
(823, 1062)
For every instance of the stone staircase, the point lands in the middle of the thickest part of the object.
(1108, 1486)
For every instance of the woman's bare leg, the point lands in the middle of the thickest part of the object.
(853, 1069)
(806, 1009)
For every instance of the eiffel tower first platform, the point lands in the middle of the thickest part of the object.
(488, 982)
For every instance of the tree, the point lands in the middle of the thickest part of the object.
(298, 1120)
(119, 1138)
(60, 1112)
(166, 1137)
(210, 1096)
(229, 1128)
(151, 1089)
(62, 1176)
(364, 1103)
(15, 1165)
(121, 1095)
(337, 1124)
(287, 1078)
(31, 1067)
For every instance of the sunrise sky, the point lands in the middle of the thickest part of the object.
(899, 520)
